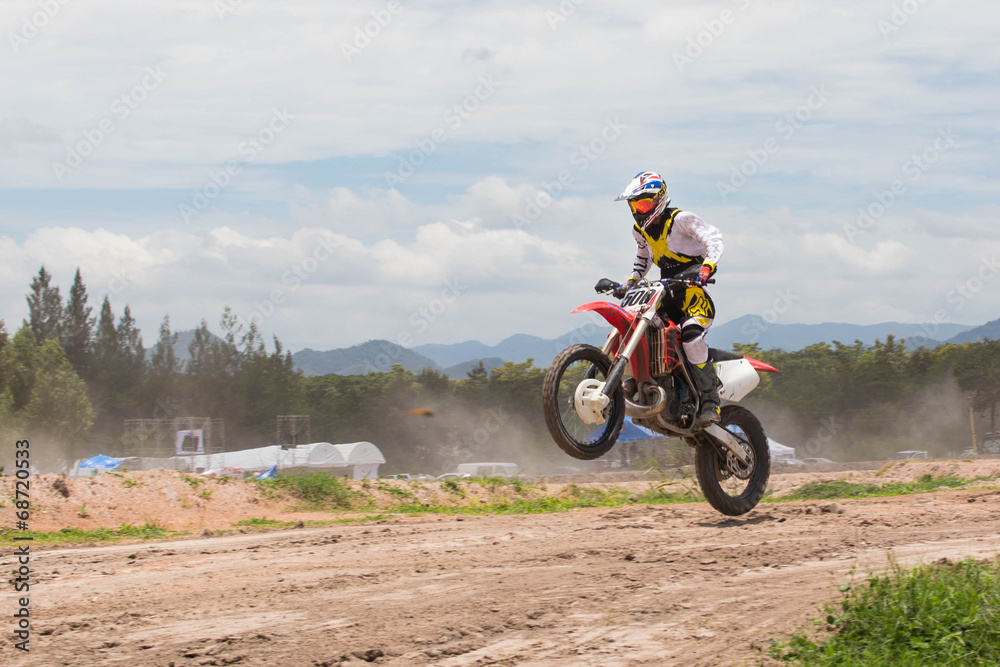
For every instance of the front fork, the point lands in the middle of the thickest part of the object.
(625, 354)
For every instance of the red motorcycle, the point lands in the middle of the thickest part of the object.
(642, 372)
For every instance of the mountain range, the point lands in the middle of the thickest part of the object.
(457, 359)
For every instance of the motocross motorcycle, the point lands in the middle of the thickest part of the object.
(642, 372)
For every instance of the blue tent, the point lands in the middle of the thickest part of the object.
(99, 461)
(630, 432)
(634, 433)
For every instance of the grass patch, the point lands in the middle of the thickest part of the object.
(453, 486)
(396, 492)
(844, 489)
(491, 483)
(148, 531)
(571, 497)
(942, 614)
(261, 522)
(193, 481)
(316, 491)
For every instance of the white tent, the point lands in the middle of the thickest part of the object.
(359, 459)
(780, 452)
(363, 458)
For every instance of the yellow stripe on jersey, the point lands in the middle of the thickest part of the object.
(659, 247)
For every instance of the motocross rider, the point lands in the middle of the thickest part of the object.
(675, 241)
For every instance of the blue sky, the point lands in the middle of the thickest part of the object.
(451, 176)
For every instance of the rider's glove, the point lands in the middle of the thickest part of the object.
(623, 289)
(704, 274)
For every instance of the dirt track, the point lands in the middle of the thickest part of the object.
(637, 585)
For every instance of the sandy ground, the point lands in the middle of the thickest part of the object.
(637, 585)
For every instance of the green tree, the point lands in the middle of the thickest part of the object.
(977, 371)
(20, 374)
(269, 384)
(58, 409)
(475, 385)
(131, 357)
(212, 369)
(164, 367)
(4, 357)
(119, 363)
(518, 386)
(78, 328)
(45, 311)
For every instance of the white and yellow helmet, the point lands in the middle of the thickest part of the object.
(646, 195)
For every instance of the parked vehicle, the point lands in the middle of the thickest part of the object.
(908, 454)
(488, 469)
(816, 460)
(561, 470)
(455, 475)
(642, 372)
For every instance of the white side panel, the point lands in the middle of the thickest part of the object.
(738, 378)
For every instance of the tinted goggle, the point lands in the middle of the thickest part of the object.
(642, 206)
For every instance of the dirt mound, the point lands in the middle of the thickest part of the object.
(628, 586)
(184, 502)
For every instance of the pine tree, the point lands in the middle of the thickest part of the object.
(105, 346)
(131, 358)
(45, 311)
(211, 371)
(78, 329)
(164, 362)
(164, 370)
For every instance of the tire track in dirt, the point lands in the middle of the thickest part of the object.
(638, 585)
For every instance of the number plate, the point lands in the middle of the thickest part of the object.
(637, 297)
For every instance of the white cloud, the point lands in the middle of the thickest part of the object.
(556, 88)
(312, 287)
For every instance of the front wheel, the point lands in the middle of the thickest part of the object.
(582, 431)
(729, 486)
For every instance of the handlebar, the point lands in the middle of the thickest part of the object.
(606, 285)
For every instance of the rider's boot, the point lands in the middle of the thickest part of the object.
(707, 384)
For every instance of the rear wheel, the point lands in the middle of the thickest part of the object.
(580, 439)
(729, 486)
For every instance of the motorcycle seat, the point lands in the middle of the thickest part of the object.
(721, 355)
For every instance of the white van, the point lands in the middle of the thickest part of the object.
(488, 469)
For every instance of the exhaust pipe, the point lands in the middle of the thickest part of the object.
(636, 411)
